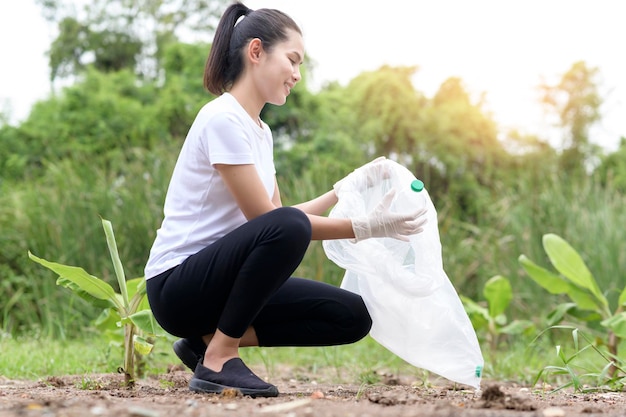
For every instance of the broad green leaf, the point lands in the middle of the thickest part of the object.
(478, 315)
(108, 319)
(142, 346)
(583, 299)
(144, 304)
(88, 283)
(498, 293)
(145, 321)
(548, 280)
(569, 263)
(617, 324)
(586, 315)
(134, 285)
(137, 292)
(76, 289)
(472, 307)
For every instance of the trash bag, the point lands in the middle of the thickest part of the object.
(416, 312)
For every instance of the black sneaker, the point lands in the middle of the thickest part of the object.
(190, 351)
(234, 375)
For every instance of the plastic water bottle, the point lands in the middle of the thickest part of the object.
(420, 258)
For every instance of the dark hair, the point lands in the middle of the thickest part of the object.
(225, 61)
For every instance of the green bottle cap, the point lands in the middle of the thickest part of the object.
(417, 186)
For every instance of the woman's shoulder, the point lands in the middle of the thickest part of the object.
(222, 109)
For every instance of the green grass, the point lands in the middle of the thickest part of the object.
(364, 362)
(35, 358)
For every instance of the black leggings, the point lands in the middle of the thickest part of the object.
(244, 279)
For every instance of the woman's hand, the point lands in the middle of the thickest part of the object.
(366, 176)
(382, 222)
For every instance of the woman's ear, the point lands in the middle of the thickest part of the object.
(255, 50)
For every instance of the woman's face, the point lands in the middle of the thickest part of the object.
(279, 70)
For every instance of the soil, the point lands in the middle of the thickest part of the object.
(166, 395)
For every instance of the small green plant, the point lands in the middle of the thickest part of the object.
(492, 319)
(128, 309)
(570, 365)
(588, 304)
(88, 384)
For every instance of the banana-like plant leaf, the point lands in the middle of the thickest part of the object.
(76, 289)
(107, 319)
(145, 321)
(548, 280)
(142, 345)
(554, 284)
(89, 284)
(497, 291)
(136, 285)
(584, 299)
(617, 324)
(473, 308)
(569, 263)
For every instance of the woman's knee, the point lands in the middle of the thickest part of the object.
(295, 223)
(361, 322)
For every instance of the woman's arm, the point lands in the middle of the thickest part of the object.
(319, 205)
(325, 228)
(247, 189)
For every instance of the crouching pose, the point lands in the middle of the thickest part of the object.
(219, 275)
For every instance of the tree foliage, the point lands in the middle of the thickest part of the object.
(117, 34)
(612, 170)
(576, 101)
(109, 140)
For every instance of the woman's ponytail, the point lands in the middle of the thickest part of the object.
(216, 70)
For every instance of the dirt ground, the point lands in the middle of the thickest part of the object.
(167, 395)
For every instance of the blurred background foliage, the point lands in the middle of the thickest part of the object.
(127, 87)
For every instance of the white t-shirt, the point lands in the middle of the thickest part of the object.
(198, 208)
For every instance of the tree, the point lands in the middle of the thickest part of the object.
(116, 34)
(388, 110)
(576, 102)
(112, 50)
(612, 170)
(464, 157)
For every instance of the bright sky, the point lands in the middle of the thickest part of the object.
(501, 48)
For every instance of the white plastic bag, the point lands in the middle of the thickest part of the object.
(415, 309)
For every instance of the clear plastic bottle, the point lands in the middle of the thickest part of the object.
(414, 201)
(420, 258)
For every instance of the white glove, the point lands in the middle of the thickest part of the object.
(368, 175)
(383, 223)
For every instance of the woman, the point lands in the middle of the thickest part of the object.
(219, 271)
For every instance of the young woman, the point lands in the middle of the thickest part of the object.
(219, 271)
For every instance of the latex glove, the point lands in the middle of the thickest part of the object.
(368, 175)
(382, 222)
